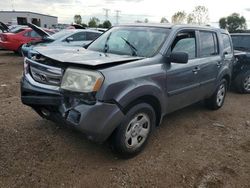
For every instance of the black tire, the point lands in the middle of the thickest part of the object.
(19, 51)
(240, 82)
(124, 145)
(216, 101)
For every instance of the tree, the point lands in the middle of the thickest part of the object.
(233, 23)
(146, 20)
(164, 20)
(78, 19)
(106, 24)
(179, 17)
(198, 16)
(93, 22)
(223, 23)
(191, 18)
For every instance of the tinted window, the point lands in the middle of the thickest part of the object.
(226, 43)
(209, 45)
(241, 42)
(81, 36)
(185, 42)
(92, 35)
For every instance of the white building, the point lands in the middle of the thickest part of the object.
(24, 17)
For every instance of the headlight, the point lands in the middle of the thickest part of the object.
(81, 80)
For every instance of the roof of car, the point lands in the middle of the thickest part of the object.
(169, 26)
(244, 34)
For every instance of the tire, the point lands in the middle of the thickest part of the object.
(216, 101)
(19, 51)
(242, 82)
(131, 136)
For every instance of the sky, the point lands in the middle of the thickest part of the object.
(131, 10)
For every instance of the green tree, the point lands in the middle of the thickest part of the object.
(78, 19)
(179, 17)
(198, 16)
(191, 18)
(146, 20)
(233, 23)
(107, 24)
(93, 22)
(164, 20)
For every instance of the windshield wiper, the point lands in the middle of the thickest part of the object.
(134, 50)
(106, 47)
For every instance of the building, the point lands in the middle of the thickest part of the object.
(24, 17)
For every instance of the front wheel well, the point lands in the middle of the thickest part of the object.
(151, 100)
(228, 79)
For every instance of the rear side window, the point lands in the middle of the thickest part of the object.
(241, 42)
(227, 44)
(81, 36)
(208, 44)
(92, 35)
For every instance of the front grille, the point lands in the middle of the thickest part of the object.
(45, 74)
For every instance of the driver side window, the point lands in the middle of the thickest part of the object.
(185, 42)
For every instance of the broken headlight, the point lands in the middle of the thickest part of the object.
(80, 80)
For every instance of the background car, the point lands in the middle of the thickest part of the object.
(241, 68)
(67, 37)
(14, 39)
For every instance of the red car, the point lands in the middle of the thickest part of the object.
(15, 39)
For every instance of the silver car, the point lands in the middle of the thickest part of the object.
(67, 37)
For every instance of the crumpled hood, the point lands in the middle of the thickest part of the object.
(82, 56)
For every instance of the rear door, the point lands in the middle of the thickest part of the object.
(210, 62)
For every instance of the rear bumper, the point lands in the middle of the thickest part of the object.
(97, 121)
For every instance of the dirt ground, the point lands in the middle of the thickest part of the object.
(193, 147)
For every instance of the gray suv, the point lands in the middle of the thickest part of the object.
(122, 84)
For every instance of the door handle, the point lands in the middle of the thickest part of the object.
(196, 69)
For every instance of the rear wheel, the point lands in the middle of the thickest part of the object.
(242, 82)
(216, 101)
(133, 133)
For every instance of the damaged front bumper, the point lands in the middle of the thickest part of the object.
(97, 119)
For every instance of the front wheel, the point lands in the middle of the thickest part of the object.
(216, 101)
(133, 133)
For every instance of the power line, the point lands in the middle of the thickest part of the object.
(106, 13)
(117, 16)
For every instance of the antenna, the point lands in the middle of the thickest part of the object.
(117, 16)
(106, 13)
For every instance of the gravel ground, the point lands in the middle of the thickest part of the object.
(193, 147)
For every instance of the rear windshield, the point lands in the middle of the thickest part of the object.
(241, 42)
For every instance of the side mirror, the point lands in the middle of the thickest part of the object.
(69, 39)
(178, 57)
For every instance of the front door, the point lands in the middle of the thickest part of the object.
(182, 79)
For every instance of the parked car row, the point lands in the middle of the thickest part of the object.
(24, 38)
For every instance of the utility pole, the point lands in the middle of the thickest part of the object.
(117, 16)
(106, 13)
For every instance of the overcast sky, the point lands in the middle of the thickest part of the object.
(131, 10)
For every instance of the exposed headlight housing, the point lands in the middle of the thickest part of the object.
(80, 80)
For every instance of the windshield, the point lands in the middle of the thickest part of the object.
(241, 42)
(61, 34)
(134, 41)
